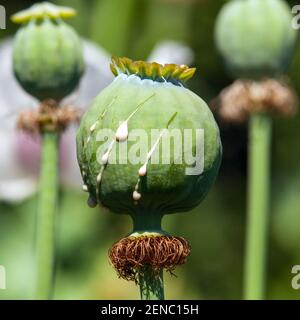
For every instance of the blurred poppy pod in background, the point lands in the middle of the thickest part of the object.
(48, 57)
(255, 37)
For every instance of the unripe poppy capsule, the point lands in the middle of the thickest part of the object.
(147, 175)
(47, 54)
(255, 37)
(147, 97)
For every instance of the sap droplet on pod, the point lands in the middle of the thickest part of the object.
(92, 203)
(122, 132)
(104, 158)
(143, 170)
(99, 177)
(136, 195)
(93, 127)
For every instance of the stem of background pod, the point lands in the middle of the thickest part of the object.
(260, 130)
(46, 216)
(151, 284)
(53, 76)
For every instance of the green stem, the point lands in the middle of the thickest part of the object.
(147, 222)
(260, 130)
(46, 216)
(151, 284)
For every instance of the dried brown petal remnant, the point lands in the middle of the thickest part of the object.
(49, 117)
(245, 97)
(131, 254)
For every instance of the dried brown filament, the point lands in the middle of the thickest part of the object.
(49, 117)
(245, 97)
(131, 254)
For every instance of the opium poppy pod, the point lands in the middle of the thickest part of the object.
(148, 146)
(47, 54)
(255, 37)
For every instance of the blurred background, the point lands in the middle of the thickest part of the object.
(175, 30)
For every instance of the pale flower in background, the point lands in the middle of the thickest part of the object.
(171, 52)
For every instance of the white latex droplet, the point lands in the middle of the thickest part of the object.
(143, 170)
(104, 158)
(122, 132)
(93, 127)
(136, 195)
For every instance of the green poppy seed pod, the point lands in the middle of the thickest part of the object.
(47, 53)
(255, 37)
(145, 105)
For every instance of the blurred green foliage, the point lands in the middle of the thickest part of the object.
(216, 229)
